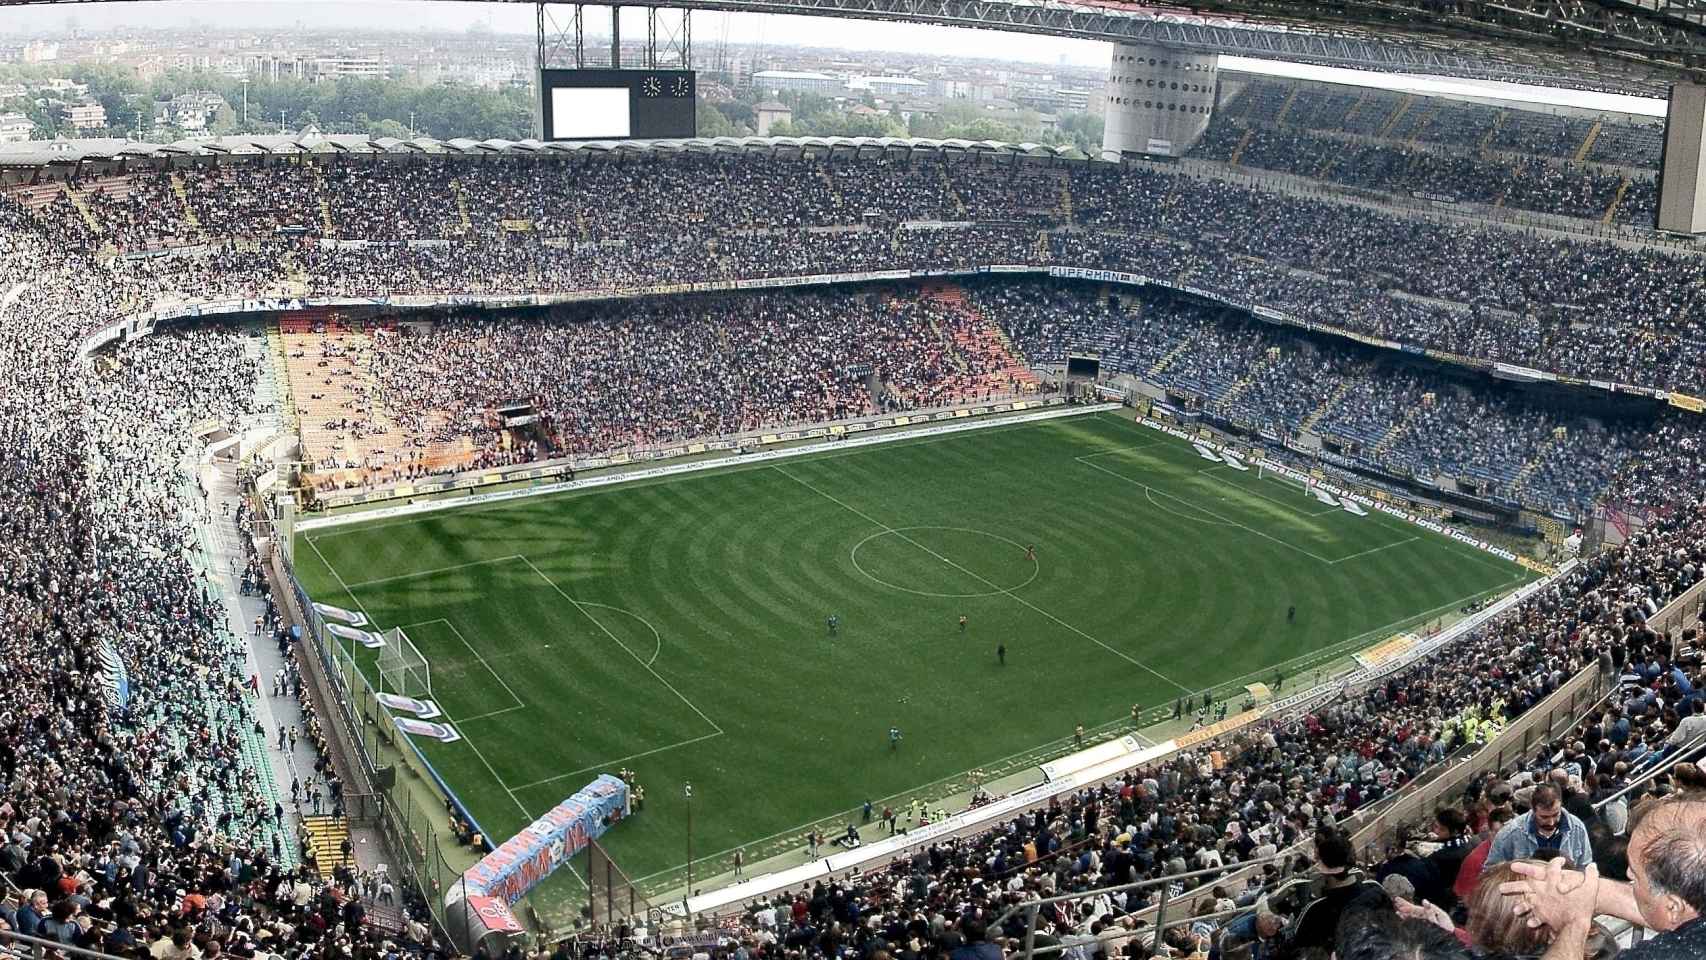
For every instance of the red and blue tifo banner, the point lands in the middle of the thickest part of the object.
(533, 854)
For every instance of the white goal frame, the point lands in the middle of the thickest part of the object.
(403, 669)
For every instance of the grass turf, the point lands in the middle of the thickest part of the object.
(677, 626)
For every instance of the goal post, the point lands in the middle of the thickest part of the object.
(402, 667)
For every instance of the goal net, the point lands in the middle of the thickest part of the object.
(402, 668)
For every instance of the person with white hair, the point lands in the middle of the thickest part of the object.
(1666, 892)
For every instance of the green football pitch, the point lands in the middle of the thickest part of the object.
(678, 626)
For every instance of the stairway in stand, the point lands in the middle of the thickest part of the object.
(184, 199)
(1519, 485)
(981, 349)
(1391, 436)
(1315, 416)
(1173, 354)
(1611, 211)
(1238, 151)
(325, 835)
(466, 222)
(1587, 141)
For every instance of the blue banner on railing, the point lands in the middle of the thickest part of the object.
(533, 854)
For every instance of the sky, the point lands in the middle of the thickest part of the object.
(443, 15)
(447, 15)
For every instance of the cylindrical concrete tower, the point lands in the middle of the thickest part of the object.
(1158, 100)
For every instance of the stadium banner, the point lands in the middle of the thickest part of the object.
(1216, 729)
(422, 709)
(117, 678)
(1446, 199)
(495, 914)
(1316, 480)
(368, 639)
(421, 728)
(1510, 371)
(339, 613)
(527, 858)
(1685, 402)
(1384, 652)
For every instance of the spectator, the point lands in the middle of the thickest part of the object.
(1344, 890)
(1547, 829)
(1667, 895)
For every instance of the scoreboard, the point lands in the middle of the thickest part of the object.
(617, 104)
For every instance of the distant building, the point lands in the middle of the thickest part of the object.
(917, 109)
(891, 86)
(15, 127)
(337, 68)
(11, 91)
(769, 114)
(64, 87)
(85, 116)
(40, 51)
(1073, 101)
(193, 112)
(147, 68)
(804, 81)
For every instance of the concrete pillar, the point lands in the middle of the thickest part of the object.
(1682, 176)
(1158, 100)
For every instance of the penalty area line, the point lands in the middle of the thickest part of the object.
(427, 573)
(581, 606)
(528, 814)
(604, 764)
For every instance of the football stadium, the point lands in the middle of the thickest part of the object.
(1247, 501)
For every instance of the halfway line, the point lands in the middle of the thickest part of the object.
(988, 583)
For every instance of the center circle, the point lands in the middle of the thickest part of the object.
(933, 555)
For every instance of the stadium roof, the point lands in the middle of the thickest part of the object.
(37, 153)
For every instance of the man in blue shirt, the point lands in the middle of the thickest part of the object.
(1547, 830)
(1666, 893)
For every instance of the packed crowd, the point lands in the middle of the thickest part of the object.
(498, 225)
(645, 373)
(1397, 167)
(1400, 418)
(1283, 795)
(1368, 112)
(138, 820)
(134, 792)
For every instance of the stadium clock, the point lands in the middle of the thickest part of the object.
(680, 87)
(652, 87)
